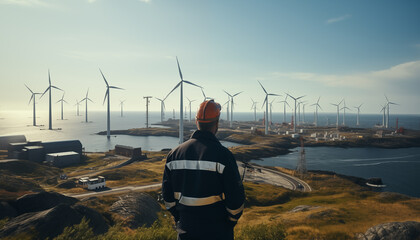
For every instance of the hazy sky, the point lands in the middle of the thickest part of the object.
(357, 50)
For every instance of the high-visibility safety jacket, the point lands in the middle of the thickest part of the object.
(201, 185)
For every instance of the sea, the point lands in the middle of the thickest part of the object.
(398, 168)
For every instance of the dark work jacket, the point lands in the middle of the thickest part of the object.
(201, 185)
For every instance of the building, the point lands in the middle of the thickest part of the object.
(63, 146)
(6, 140)
(63, 159)
(128, 151)
(92, 183)
(33, 153)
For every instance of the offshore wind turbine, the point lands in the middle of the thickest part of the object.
(266, 106)
(294, 117)
(338, 110)
(189, 103)
(62, 101)
(86, 99)
(344, 112)
(33, 97)
(316, 110)
(284, 107)
(358, 112)
(254, 107)
(181, 104)
(231, 105)
(122, 107)
(162, 108)
(49, 90)
(77, 104)
(387, 110)
(108, 115)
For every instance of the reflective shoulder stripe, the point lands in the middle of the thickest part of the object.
(233, 219)
(196, 165)
(236, 211)
(194, 202)
(177, 195)
(169, 205)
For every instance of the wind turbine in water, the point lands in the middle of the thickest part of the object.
(86, 99)
(231, 105)
(387, 110)
(254, 107)
(284, 107)
(122, 107)
(316, 110)
(358, 112)
(62, 103)
(294, 112)
(181, 104)
(108, 115)
(50, 107)
(162, 108)
(344, 112)
(189, 103)
(33, 95)
(338, 110)
(77, 104)
(266, 106)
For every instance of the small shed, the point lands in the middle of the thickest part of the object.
(63, 159)
(63, 146)
(6, 140)
(34, 153)
(14, 149)
(128, 151)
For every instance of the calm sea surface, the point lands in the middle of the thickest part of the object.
(398, 168)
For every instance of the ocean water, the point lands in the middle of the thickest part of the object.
(398, 168)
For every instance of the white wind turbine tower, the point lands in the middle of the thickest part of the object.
(266, 106)
(254, 107)
(33, 97)
(62, 103)
(162, 108)
(50, 109)
(122, 107)
(227, 109)
(147, 109)
(86, 99)
(284, 107)
(383, 114)
(294, 117)
(344, 112)
(77, 104)
(181, 104)
(387, 110)
(189, 103)
(316, 110)
(231, 105)
(271, 112)
(338, 110)
(303, 111)
(108, 116)
(358, 112)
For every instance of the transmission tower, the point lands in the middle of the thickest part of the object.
(301, 166)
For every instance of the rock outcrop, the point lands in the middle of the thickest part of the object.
(393, 230)
(138, 209)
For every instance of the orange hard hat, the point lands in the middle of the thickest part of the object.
(209, 111)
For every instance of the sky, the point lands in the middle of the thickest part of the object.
(359, 51)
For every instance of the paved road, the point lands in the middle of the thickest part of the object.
(116, 190)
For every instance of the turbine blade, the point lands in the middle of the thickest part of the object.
(90, 100)
(49, 77)
(237, 94)
(29, 89)
(173, 89)
(116, 87)
(57, 88)
(300, 97)
(104, 78)
(273, 94)
(45, 91)
(318, 99)
(30, 99)
(262, 87)
(159, 99)
(179, 69)
(265, 100)
(106, 94)
(204, 95)
(192, 83)
(227, 93)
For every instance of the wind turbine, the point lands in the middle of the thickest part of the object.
(344, 112)
(147, 109)
(303, 106)
(190, 101)
(266, 105)
(303, 110)
(383, 114)
(77, 104)
(181, 103)
(62, 101)
(122, 106)
(162, 108)
(227, 109)
(86, 99)
(294, 117)
(284, 107)
(316, 110)
(204, 95)
(49, 90)
(33, 97)
(254, 107)
(338, 110)
(358, 112)
(231, 105)
(387, 110)
(108, 116)
(271, 113)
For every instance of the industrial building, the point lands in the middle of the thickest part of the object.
(6, 140)
(62, 146)
(63, 159)
(128, 151)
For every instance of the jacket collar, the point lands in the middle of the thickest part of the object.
(198, 134)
